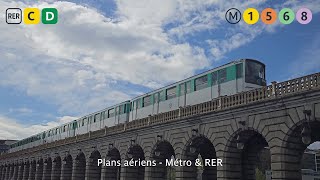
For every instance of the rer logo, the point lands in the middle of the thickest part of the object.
(32, 16)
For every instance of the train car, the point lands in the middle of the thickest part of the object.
(232, 78)
(111, 116)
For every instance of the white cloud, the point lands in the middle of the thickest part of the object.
(22, 110)
(11, 129)
(80, 63)
(87, 61)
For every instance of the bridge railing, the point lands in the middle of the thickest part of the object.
(274, 90)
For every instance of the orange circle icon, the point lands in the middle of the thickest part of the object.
(268, 16)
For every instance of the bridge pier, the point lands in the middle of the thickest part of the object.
(39, 170)
(79, 167)
(32, 170)
(67, 168)
(26, 170)
(47, 167)
(56, 168)
(20, 171)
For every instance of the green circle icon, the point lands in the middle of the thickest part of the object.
(286, 16)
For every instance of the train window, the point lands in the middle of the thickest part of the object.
(255, 73)
(222, 75)
(110, 113)
(118, 110)
(188, 87)
(215, 78)
(64, 128)
(182, 89)
(162, 96)
(239, 69)
(201, 82)
(82, 122)
(171, 93)
(156, 97)
(95, 117)
(57, 131)
(146, 101)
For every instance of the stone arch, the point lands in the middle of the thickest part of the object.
(161, 152)
(67, 165)
(293, 148)
(244, 153)
(198, 146)
(26, 170)
(79, 170)
(56, 168)
(20, 170)
(39, 169)
(135, 153)
(94, 171)
(112, 171)
(47, 168)
(32, 169)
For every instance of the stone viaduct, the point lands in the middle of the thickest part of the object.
(283, 117)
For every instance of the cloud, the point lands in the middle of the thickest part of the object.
(20, 110)
(11, 129)
(88, 61)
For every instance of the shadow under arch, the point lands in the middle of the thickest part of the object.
(199, 149)
(136, 172)
(39, 169)
(113, 170)
(67, 165)
(293, 149)
(56, 168)
(79, 171)
(161, 152)
(47, 168)
(94, 169)
(247, 155)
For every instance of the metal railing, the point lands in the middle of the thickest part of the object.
(272, 91)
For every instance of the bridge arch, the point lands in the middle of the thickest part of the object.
(161, 152)
(39, 169)
(198, 149)
(113, 171)
(247, 155)
(293, 146)
(47, 168)
(56, 168)
(135, 153)
(94, 169)
(67, 167)
(32, 169)
(79, 170)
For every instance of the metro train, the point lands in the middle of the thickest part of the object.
(234, 77)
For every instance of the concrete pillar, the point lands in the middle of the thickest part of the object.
(26, 167)
(56, 169)
(20, 171)
(32, 171)
(39, 170)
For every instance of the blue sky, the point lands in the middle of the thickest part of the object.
(104, 52)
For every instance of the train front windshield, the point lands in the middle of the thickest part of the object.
(255, 73)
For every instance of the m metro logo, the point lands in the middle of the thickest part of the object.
(32, 16)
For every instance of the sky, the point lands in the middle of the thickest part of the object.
(103, 52)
